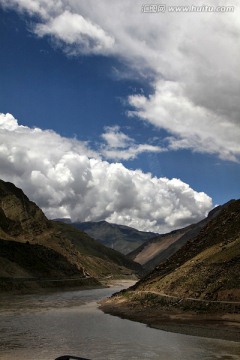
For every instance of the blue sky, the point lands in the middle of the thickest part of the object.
(151, 100)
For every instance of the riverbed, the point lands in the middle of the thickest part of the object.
(45, 326)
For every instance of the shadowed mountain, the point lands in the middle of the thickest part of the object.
(119, 237)
(25, 230)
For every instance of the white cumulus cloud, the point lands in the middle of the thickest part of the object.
(67, 179)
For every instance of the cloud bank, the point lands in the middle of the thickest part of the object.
(69, 180)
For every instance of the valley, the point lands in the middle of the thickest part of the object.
(186, 280)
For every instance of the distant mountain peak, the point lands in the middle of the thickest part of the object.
(120, 237)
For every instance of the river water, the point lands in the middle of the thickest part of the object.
(43, 327)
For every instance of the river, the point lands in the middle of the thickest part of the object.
(45, 326)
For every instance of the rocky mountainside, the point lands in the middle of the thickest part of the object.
(207, 266)
(119, 237)
(25, 230)
(156, 250)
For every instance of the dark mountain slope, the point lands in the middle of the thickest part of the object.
(33, 261)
